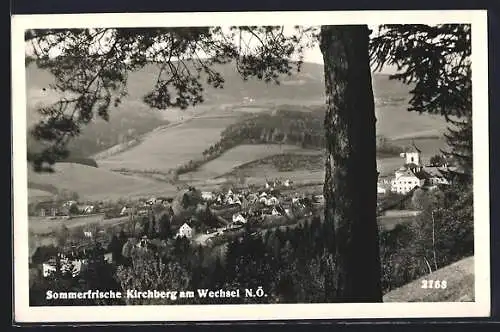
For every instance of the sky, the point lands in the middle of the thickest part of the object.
(314, 55)
(310, 55)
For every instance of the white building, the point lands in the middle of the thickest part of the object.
(48, 269)
(185, 231)
(86, 209)
(124, 211)
(412, 156)
(272, 201)
(275, 212)
(405, 181)
(319, 199)
(239, 219)
(207, 195)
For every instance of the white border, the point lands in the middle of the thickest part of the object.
(479, 308)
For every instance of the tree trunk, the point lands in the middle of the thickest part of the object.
(351, 167)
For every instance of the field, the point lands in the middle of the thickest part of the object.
(256, 174)
(395, 122)
(98, 184)
(35, 195)
(44, 226)
(171, 146)
(192, 137)
(240, 155)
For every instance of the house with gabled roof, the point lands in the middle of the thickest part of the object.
(185, 231)
(239, 219)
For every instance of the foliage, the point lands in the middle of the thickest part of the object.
(165, 226)
(62, 235)
(423, 199)
(435, 58)
(73, 209)
(96, 275)
(149, 272)
(441, 235)
(459, 139)
(93, 65)
(437, 160)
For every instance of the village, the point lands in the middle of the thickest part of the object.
(210, 218)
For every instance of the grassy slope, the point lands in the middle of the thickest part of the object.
(169, 147)
(224, 165)
(460, 285)
(240, 155)
(35, 195)
(98, 184)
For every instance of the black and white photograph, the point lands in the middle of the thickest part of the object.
(244, 166)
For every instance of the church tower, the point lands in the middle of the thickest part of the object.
(413, 158)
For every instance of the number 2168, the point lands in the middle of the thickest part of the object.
(434, 284)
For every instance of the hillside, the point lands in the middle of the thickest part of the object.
(97, 184)
(237, 157)
(460, 285)
(169, 147)
(138, 140)
(127, 121)
(133, 118)
(36, 195)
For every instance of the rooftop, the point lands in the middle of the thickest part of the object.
(413, 148)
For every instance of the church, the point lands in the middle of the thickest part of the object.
(413, 174)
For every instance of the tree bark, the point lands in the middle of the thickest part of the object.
(351, 166)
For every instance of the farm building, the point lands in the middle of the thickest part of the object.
(48, 209)
(436, 176)
(239, 219)
(185, 231)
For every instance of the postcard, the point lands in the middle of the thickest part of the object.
(250, 166)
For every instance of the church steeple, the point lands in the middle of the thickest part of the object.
(414, 147)
(413, 160)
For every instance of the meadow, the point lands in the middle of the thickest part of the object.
(171, 146)
(35, 195)
(240, 155)
(98, 184)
